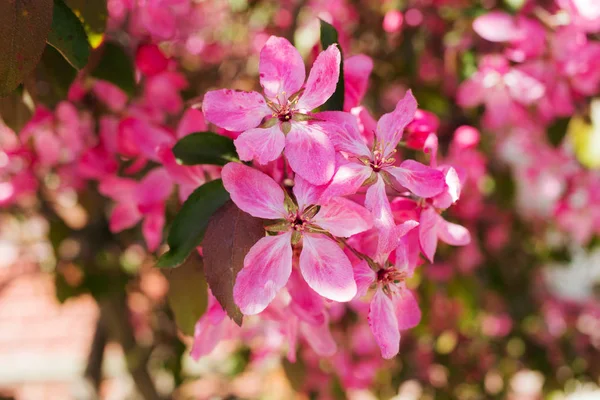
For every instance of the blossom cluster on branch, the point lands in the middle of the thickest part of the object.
(307, 188)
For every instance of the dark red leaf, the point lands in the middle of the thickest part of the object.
(24, 27)
(229, 236)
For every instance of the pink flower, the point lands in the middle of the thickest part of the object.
(356, 79)
(111, 95)
(136, 201)
(161, 17)
(304, 316)
(138, 137)
(283, 119)
(584, 13)
(501, 88)
(162, 92)
(526, 36)
(150, 60)
(211, 328)
(393, 307)
(376, 168)
(433, 227)
(578, 59)
(268, 264)
(424, 124)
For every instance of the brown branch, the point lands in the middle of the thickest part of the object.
(117, 316)
(93, 370)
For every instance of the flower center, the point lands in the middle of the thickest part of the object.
(379, 161)
(390, 275)
(285, 116)
(297, 222)
(283, 108)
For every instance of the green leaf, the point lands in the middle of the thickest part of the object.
(188, 295)
(514, 5)
(557, 131)
(93, 13)
(24, 27)
(190, 223)
(229, 236)
(68, 36)
(205, 148)
(58, 72)
(295, 372)
(115, 66)
(329, 36)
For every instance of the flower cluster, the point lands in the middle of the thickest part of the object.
(344, 172)
(462, 124)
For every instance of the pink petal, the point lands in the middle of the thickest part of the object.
(234, 110)
(158, 22)
(402, 229)
(326, 268)
(496, 26)
(452, 191)
(305, 303)
(261, 144)
(471, 92)
(430, 147)
(137, 136)
(366, 123)
(150, 60)
(109, 131)
(523, 87)
(306, 193)
(152, 229)
(162, 91)
(310, 153)
(407, 309)
(356, 79)
(156, 187)
(119, 189)
(413, 250)
(281, 68)
(420, 179)
(111, 95)
(364, 277)
(253, 191)
(48, 147)
(267, 268)
(124, 216)
(319, 338)
(207, 336)
(454, 234)
(403, 260)
(342, 130)
(322, 79)
(291, 333)
(209, 330)
(428, 232)
(347, 180)
(391, 239)
(499, 108)
(377, 202)
(192, 121)
(97, 163)
(191, 176)
(391, 126)
(384, 325)
(343, 217)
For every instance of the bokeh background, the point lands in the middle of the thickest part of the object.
(514, 315)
